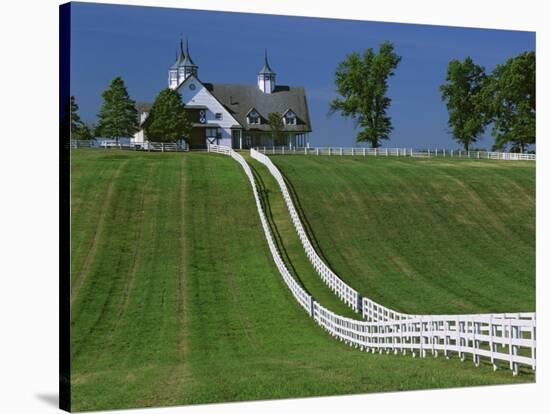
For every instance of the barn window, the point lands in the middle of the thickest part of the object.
(253, 117)
(219, 115)
(289, 118)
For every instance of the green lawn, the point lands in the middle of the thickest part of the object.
(423, 235)
(175, 299)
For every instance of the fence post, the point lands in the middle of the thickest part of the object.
(341, 151)
(459, 339)
(352, 151)
(446, 340)
(375, 152)
(475, 342)
(317, 151)
(492, 345)
(364, 152)
(422, 350)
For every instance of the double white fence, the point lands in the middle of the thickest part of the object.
(397, 152)
(508, 338)
(345, 292)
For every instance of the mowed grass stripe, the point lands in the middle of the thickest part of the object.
(202, 314)
(423, 236)
(93, 222)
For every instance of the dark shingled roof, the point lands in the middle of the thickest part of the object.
(240, 99)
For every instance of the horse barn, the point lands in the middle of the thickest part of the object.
(235, 115)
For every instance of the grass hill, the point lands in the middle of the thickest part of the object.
(175, 299)
(423, 235)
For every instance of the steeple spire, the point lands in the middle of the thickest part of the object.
(188, 61)
(188, 65)
(266, 68)
(266, 77)
(183, 67)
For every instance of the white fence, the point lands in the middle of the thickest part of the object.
(345, 292)
(397, 152)
(165, 146)
(146, 146)
(510, 339)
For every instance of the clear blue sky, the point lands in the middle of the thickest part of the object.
(139, 44)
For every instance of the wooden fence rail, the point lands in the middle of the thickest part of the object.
(145, 146)
(503, 339)
(345, 292)
(370, 309)
(396, 152)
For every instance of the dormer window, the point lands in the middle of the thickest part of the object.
(289, 118)
(253, 117)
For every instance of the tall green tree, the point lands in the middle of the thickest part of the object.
(86, 132)
(167, 120)
(276, 127)
(118, 115)
(362, 82)
(510, 97)
(462, 91)
(76, 124)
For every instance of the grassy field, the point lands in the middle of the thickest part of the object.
(175, 299)
(423, 235)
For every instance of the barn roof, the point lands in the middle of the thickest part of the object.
(240, 99)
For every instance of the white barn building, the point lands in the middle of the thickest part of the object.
(232, 114)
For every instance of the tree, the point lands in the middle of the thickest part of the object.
(76, 124)
(510, 97)
(167, 120)
(86, 132)
(362, 81)
(118, 115)
(276, 126)
(467, 118)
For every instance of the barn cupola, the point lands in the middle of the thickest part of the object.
(176, 72)
(266, 77)
(188, 66)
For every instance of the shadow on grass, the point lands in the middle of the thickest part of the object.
(305, 222)
(263, 193)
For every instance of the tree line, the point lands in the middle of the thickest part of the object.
(167, 120)
(504, 98)
(118, 117)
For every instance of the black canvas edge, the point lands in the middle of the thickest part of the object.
(64, 208)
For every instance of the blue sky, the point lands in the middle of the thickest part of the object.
(139, 44)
